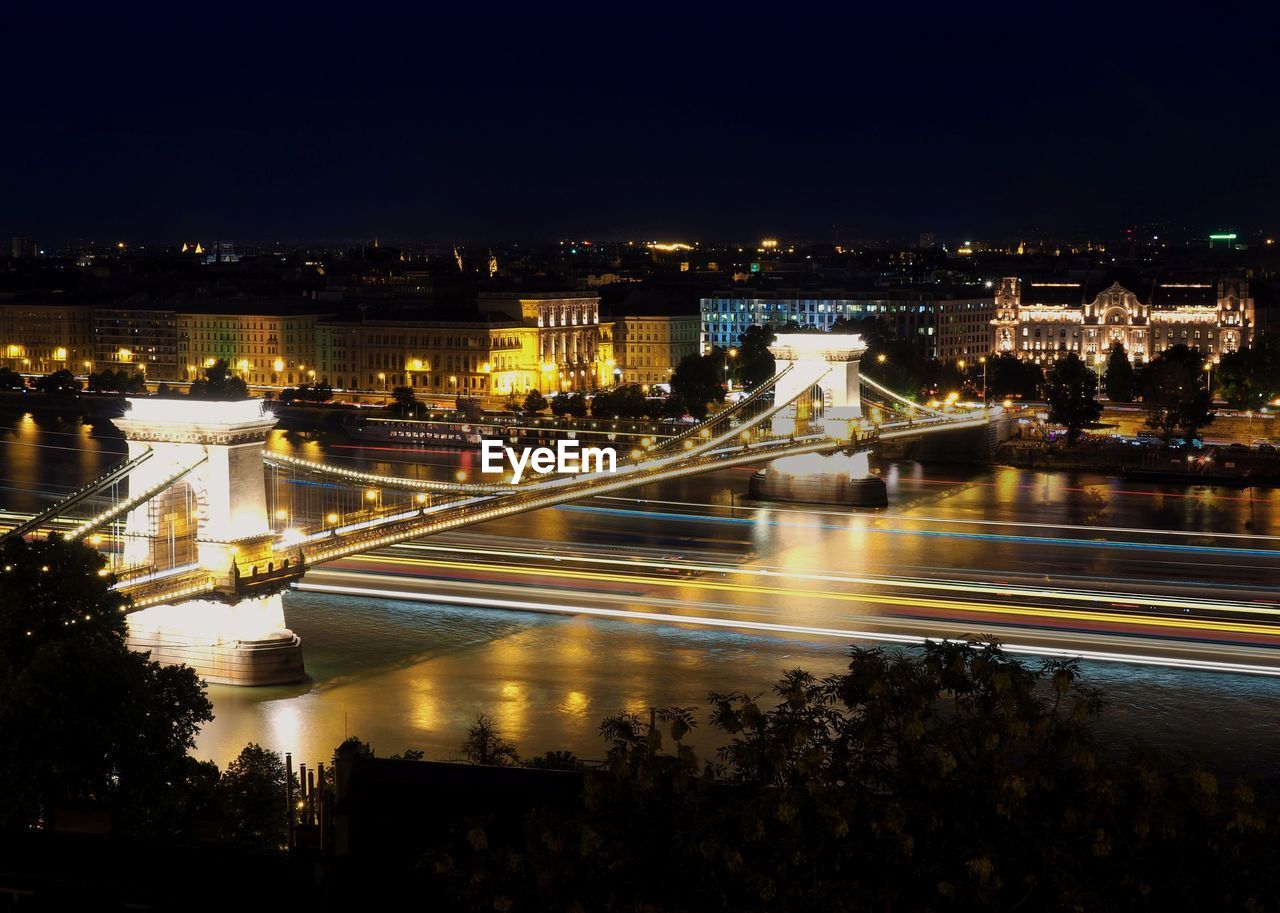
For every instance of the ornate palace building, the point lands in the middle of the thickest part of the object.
(1043, 321)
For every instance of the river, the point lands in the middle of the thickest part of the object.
(403, 674)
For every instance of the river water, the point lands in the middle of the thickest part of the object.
(403, 674)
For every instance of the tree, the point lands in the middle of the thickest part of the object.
(219, 383)
(410, 754)
(58, 383)
(1070, 390)
(356, 745)
(899, 365)
(534, 402)
(675, 407)
(626, 401)
(1009, 377)
(555, 760)
(404, 402)
(318, 392)
(1174, 394)
(485, 744)
(1250, 378)
(84, 719)
(699, 380)
(754, 363)
(252, 791)
(1120, 378)
(952, 778)
(11, 380)
(121, 381)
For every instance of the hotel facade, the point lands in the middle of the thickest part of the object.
(1045, 321)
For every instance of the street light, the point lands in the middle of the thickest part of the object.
(982, 359)
(383, 378)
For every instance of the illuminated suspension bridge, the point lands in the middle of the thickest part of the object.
(205, 529)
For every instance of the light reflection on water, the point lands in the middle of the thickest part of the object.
(402, 675)
(409, 674)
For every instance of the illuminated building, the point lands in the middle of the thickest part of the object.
(143, 339)
(38, 339)
(568, 334)
(486, 357)
(608, 370)
(945, 325)
(265, 344)
(1043, 321)
(648, 347)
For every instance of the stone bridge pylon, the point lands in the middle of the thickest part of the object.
(827, 364)
(213, 519)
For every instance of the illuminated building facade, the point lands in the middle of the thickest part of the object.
(141, 339)
(944, 325)
(480, 358)
(568, 335)
(648, 348)
(609, 371)
(263, 348)
(39, 339)
(1044, 321)
(547, 342)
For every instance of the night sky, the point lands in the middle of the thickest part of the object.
(635, 120)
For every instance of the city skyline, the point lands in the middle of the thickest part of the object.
(542, 126)
(767, 459)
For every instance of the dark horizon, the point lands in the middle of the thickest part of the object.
(533, 127)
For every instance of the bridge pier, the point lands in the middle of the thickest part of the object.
(838, 478)
(214, 520)
(242, 644)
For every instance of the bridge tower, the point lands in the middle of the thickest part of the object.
(828, 363)
(211, 520)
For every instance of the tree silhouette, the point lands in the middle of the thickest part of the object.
(1070, 389)
(404, 402)
(1120, 378)
(485, 744)
(1250, 378)
(219, 383)
(952, 778)
(252, 790)
(534, 402)
(754, 363)
(1174, 394)
(59, 383)
(11, 380)
(1009, 377)
(699, 380)
(84, 720)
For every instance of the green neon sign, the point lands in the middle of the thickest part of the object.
(1230, 237)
